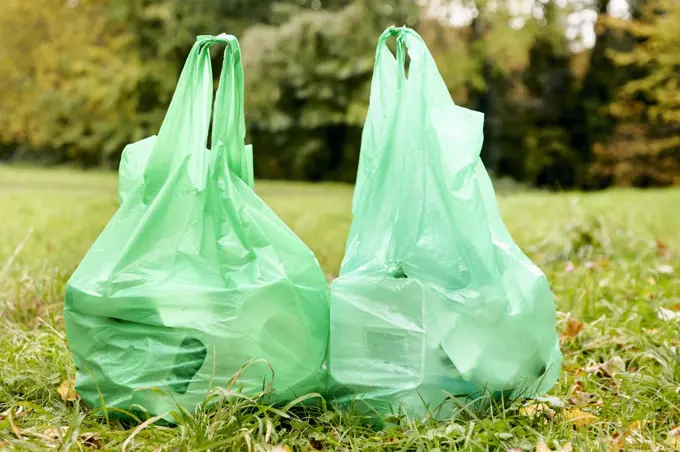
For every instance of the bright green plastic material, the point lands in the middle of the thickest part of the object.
(434, 299)
(195, 276)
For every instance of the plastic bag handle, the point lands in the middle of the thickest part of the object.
(401, 56)
(401, 33)
(229, 125)
(185, 128)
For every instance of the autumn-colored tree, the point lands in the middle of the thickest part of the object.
(69, 79)
(646, 147)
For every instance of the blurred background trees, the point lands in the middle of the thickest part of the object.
(577, 93)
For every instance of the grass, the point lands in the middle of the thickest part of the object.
(611, 257)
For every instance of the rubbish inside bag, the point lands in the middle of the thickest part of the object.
(434, 300)
(194, 276)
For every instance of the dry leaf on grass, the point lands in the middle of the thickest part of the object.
(665, 269)
(280, 448)
(55, 432)
(579, 398)
(91, 439)
(674, 439)
(668, 315)
(661, 248)
(572, 329)
(542, 447)
(67, 390)
(579, 418)
(609, 368)
(636, 426)
(16, 414)
(537, 409)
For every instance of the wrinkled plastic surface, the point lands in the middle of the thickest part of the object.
(194, 275)
(434, 299)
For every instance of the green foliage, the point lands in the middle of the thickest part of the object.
(82, 78)
(69, 79)
(308, 87)
(646, 148)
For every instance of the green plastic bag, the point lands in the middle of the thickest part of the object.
(195, 276)
(434, 299)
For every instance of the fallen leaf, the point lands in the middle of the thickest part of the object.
(280, 448)
(553, 401)
(67, 390)
(609, 368)
(537, 409)
(668, 315)
(617, 440)
(542, 447)
(661, 247)
(573, 328)
(636, 426)
(673, 439)
(91, 439)
(580, 418)
(582, 399)
(566, 448)
(55, 432)
(665, 269)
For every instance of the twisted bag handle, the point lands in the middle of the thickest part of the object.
(184, 131)
(387, 88)
(229, 125)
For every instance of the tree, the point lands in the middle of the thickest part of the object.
(308, 84)
(646, 148)
(69, 79)
(555, 145)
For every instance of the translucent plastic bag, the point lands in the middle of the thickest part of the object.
(194, 275)
(434, 299)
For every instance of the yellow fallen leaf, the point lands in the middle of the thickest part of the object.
(573, 328)
(617, 442)
(55, 432)
(580, 418)
(566, 448)
(673, 439)
(536, 409)
(636, 426)
(67, 390)
(542, 447)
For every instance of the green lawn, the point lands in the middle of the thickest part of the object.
(611, 257)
